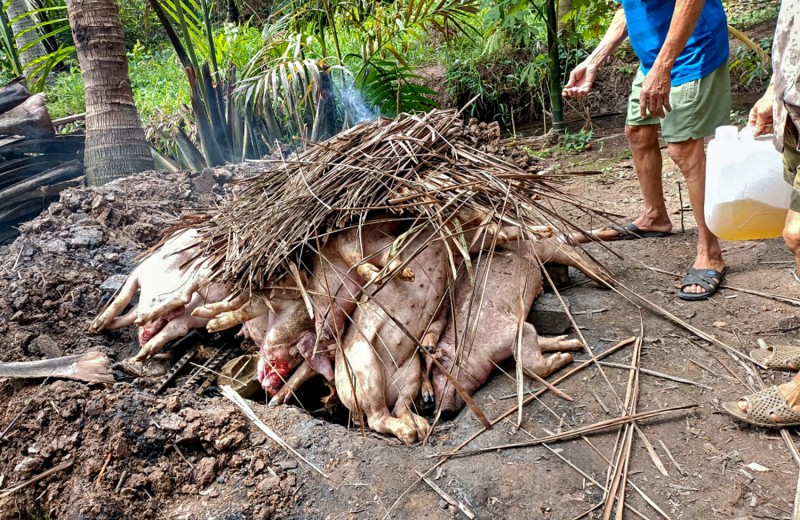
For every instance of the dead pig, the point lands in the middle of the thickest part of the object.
(167, 279)
(340, 269)
(378, 366)
(489, 312)
(339, 272)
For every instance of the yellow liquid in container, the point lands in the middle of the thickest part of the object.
(749, 219)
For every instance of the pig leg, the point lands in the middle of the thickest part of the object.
(301, 376)
(384, 262)
(408, 386)
(366, 391)
(559, 253)
(532, 358)
(123, 321)
(172, 330)
(212, 310)
(250, 310)
(117, 304)
(559, 343)
(426, 387)
(170, 301)
(428, 344)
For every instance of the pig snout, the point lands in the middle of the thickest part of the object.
(273, 373)
(151, 328)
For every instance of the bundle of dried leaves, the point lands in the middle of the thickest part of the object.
(422, 168)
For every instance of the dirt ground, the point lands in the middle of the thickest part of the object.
(191, 455)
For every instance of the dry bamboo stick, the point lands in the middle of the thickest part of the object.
(575, 370)
(658, 374)
(583, 473)
(675, 462)
(616, 487)
(592, 428)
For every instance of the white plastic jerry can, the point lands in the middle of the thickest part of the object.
(746, 195)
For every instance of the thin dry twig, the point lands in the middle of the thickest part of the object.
(236, 399)
(675, 462)
(55, 469)
(657, 374)
(447, 498)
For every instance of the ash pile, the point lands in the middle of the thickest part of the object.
(398, 261)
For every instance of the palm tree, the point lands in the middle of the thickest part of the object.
(115, 141)
(24, 28)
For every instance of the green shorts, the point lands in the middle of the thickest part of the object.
(698, 107)
(791, 164)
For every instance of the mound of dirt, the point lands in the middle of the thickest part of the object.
(124, 443)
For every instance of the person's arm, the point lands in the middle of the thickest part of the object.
(655, 89)
(582, 77)
(761, 113)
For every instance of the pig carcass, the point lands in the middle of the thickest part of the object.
(489, 312)
(172, 283)
(378, 366)
(340, 269)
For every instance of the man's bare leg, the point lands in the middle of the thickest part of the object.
(690, 157)
(647, 161)
(791, 235)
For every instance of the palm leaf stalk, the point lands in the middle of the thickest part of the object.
(220, 127)
(9, 46)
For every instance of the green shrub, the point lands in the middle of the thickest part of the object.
(65, 97)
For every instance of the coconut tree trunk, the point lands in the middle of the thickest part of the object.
(115, 141)
(24, 33)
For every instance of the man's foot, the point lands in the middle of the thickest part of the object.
(778, 357)
(774, 407)
(706, 279)
(640, 228)
(706, 262)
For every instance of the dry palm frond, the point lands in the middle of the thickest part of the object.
(421, 168)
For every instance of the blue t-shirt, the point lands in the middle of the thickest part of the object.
(707, 48)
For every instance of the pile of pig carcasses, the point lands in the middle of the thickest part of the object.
(396, 259)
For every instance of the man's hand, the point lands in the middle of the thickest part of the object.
(761, 114)
(580, 80)
(654, 96)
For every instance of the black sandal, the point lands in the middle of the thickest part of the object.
(705, 278)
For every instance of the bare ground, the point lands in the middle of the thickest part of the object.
(181, 454)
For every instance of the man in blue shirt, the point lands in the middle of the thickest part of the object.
(682, 86)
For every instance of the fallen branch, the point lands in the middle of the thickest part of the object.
(577, 432)
(236, 399)
(91, 367)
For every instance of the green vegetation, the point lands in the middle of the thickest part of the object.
(288, 68)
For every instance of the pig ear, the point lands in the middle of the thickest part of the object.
(319, 361)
